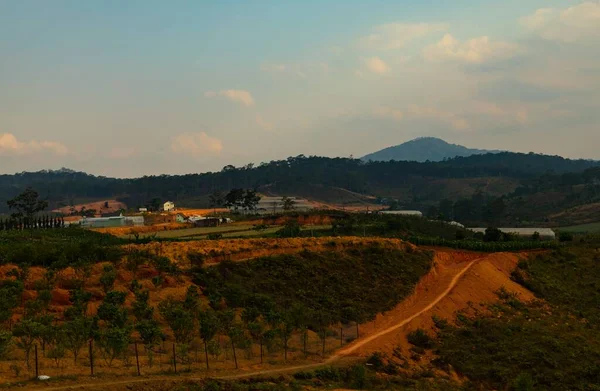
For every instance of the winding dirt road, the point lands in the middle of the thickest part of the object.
(433, 282)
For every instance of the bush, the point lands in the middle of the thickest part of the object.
(420, 339)
(565, 236)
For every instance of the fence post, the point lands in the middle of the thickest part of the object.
(137, 359)
(91, 358)
(174, 359)
(37, 374)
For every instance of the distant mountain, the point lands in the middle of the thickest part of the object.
(423, 149)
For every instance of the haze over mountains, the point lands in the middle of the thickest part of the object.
(424, 149)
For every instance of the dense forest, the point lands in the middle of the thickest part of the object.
(412, 184)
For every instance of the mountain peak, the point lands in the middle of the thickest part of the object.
(423, 149)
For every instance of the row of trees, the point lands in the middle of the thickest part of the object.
(45, 222)
(113, 328)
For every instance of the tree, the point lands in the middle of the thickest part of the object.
(209, 327)
(216, 200)
(77, 332)
(10, 292)
(5, 343)
(146, 326)
(108, 278)
(251, 200)
(115, 336)
(27, 331)
(27, 204)
(288, 203)
(235, 199)
(492, 235)
(180, 320)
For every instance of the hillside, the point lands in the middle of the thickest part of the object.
(424, 149)
(412, 184)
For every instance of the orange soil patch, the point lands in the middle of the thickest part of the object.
(99, 206)
(120, 231)
(200, 212)
(457, 281)
(243, 249)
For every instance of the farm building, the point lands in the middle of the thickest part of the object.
(545, 233)
(168, 206)
(143, 210)
(103, 222)
(402, 212)
(268, 205)
(205, 221)
(180, 218)
(113, 221)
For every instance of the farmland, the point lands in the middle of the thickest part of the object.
(583, 228)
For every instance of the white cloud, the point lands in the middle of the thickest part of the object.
(388, 112)
(421, 112)
(577, 23)
(10, 145)
(376, 65)
(473, 51)
(260, 121)
(273, 67)
(196, 144)
(240, 96)
(397, 35)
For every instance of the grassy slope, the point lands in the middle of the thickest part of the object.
(370, 280)
(553, 345)
(583, 228)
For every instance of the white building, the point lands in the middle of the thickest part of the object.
(402, 212)
(545, 233)
(143, 210)
(168, 206)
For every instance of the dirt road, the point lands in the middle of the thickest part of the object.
(446, 273)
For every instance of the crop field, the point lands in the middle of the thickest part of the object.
(228, 231)
(583, 228)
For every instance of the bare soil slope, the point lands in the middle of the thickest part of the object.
(457, 281)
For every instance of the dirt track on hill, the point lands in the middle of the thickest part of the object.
(457, 281)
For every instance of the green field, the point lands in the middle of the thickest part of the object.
(584, 228)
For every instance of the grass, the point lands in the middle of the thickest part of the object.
(568, 278)
(516, 344)
(583, 228)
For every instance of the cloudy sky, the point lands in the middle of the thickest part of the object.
(126, 88)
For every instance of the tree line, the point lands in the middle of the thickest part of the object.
(63, 187)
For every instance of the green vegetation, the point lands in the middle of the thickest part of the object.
(412, 185)
(550, 345)
(583, 228)
(475, 245)
(568, 278)
(328, 288)
(513, 343)
(57, 248)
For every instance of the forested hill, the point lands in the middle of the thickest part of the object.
(424, 149)
(305, 176)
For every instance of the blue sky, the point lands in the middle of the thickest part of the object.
(126, 88)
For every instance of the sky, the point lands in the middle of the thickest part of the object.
(143, 87)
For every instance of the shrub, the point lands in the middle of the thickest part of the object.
(420, 339)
